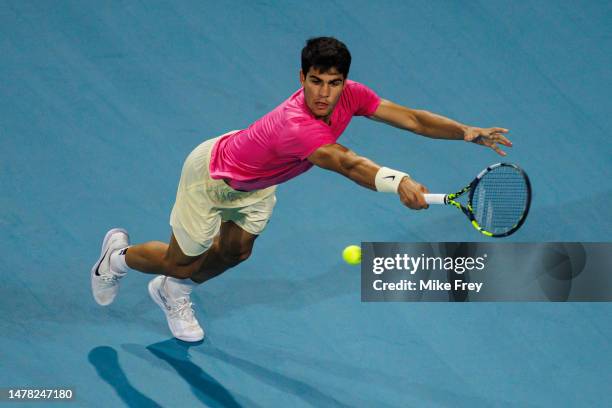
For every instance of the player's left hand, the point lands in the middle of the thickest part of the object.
(489, 137)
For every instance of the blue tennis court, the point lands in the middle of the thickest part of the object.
(100, 102)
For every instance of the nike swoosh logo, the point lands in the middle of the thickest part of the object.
(100, 263)
(389, 177)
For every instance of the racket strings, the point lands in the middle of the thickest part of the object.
(500, 199)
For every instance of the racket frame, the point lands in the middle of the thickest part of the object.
(450, 199)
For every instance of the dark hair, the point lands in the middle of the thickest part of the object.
(325, 53)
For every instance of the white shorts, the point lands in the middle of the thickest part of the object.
(203, 203)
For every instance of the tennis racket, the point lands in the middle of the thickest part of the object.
(498, 199)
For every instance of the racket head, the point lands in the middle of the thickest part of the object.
(499, 200)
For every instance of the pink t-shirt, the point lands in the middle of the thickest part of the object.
(275, 148)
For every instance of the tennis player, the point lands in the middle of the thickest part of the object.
(226, 192)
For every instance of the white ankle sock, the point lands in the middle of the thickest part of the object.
(178, 288)
(118, 266)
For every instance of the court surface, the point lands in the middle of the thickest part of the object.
(100, 102)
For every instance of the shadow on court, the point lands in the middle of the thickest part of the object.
(303, 390)
(174, 352)
(208, 390)
(106, 362)
(205, 387)
(180, 358)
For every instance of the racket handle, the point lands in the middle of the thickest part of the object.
(435, 198)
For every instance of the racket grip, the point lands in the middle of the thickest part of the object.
(435, 198)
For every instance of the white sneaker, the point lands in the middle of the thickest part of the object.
(179, 312)
(104, 283)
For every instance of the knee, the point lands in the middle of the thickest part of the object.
(178, 271)
(233, 256)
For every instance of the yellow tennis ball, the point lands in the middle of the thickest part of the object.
(352, 254)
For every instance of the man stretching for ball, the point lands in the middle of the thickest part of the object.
(226, 193)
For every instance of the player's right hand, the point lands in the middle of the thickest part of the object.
(411, 194)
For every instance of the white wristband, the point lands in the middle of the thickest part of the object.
(387, 180)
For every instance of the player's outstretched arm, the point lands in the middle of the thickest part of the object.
(366, 173)
(439, 127)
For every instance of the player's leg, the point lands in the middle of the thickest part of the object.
(233, 246)
(230, 247)
(172, 289)
(236, 238)
(160, 258)
(153, 257)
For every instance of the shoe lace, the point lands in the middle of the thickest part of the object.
(110, 278)
(183, 309)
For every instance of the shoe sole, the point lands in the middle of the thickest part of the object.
(102, 253)
(154, 295)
